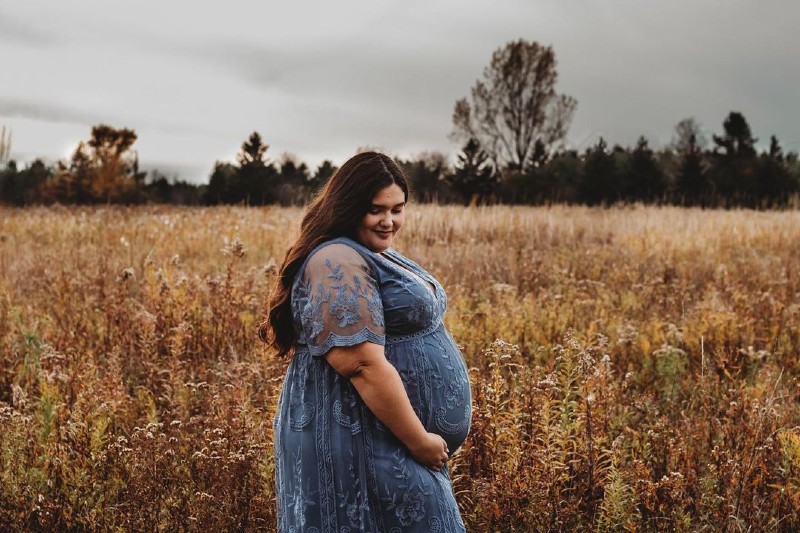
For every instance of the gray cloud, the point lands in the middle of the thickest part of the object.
(60, 114)
(15, 107)
(14, 30)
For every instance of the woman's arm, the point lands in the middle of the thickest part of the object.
(381, 388)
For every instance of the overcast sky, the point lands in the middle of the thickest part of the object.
(320, 79)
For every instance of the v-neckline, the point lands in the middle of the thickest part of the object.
(429, 285)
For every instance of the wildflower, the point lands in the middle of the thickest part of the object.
(270, 268)
(235, 248)
(18, 396)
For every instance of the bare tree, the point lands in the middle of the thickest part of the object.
(686, 130)
(5, 144)
(514, 112)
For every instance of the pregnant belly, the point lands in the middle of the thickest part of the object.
(437, 383)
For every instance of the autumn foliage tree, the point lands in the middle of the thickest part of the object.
(104, 169)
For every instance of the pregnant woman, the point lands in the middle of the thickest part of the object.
(376, 397)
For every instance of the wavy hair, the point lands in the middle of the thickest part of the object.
(334, 212)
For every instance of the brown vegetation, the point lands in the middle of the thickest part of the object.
(646, 379)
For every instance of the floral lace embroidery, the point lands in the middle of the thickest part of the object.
(345, 304)
(349, 498)
(311, 317)
(344, 307)
(374, 303)
(300, 499)
(409, 506)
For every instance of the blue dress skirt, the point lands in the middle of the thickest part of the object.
(338, 468)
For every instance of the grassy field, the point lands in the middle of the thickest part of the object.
(632, 368)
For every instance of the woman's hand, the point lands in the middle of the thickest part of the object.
(381, 388)
(431, 451)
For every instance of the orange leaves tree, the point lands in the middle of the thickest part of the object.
(103, 169)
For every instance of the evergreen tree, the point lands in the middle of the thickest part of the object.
(323, 173)
(734, 173)
(692, 186)
(26, 186)
(775, 181)
(8, 184)
(737, 139)
(474, 177)
(220, 184)
(599, 180)
(644, 179)
(256, 177)
(562, 177)
(293, 179)
(426, 177)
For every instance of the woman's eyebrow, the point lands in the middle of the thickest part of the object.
(401, 204)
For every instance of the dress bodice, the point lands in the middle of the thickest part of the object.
(412, 301)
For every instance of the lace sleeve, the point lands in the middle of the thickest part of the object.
(344, 306)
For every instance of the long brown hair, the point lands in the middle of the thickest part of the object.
(334, 212)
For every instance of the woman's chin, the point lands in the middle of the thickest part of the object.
(378, 247)
(378, 243)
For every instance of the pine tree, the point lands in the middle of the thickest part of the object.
(692, 186)
(255, 183)
(599, 181)
(734, 173)
(474, 178)
(643, 176)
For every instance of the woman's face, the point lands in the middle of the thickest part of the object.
(383, 220)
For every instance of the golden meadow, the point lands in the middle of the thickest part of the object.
(633, 369)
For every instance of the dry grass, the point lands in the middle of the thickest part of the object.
(646, 379)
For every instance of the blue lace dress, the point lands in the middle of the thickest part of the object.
(338, 469)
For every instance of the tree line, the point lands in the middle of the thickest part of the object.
(511, 130)
(727, 172)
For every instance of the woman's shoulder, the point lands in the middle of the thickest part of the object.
(337, 253)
